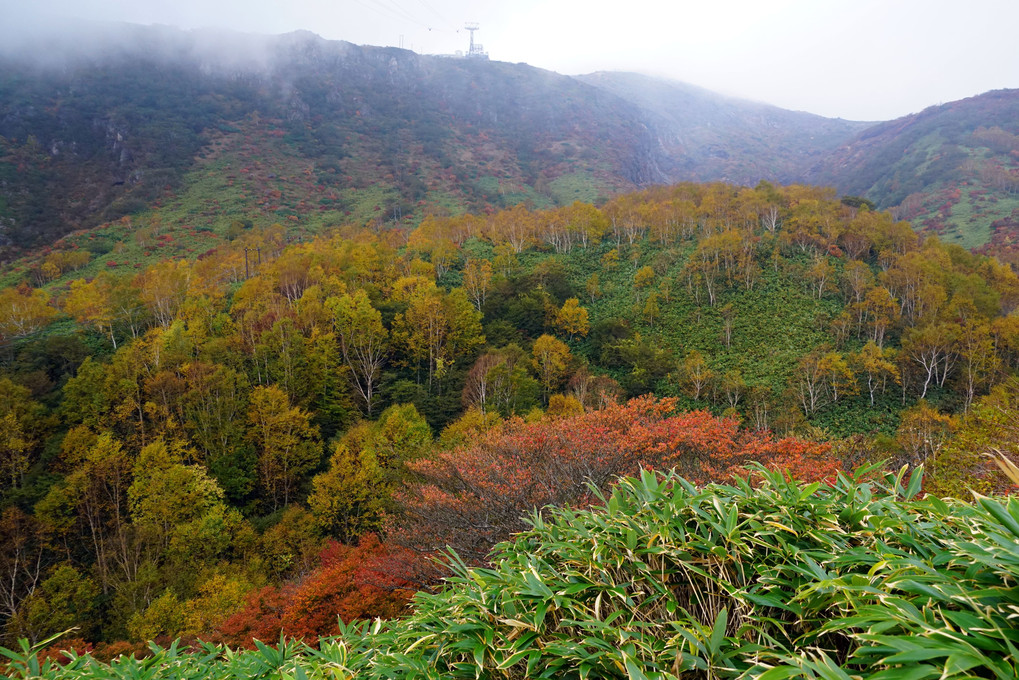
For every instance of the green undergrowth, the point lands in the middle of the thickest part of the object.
(970, 223)
(774, 324)
(508, 193)
(579, 186)
(858, 579)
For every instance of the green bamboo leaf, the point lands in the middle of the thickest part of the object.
(910, 673)
(915, 482)
(731, 521)
(479, 657)
(539, 615)
(809, 490)
(633, 671)
(961, 662)
(827, 669)
(272, 657)
(514, 659)
(914, 655)
(781, 673)
(718, 632)
(999, 513)
(772, 601)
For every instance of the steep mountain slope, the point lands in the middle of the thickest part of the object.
(706, 136)
(204, 128)
(952, 168)
(90, 137)
(111, 125)
(98, 140)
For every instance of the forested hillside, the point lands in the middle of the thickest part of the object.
(231, 126)
(254, 440)
(97, 134)
(951, 170)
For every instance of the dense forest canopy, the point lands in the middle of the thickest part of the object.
(259, 439)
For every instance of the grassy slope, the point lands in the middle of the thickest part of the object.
(249, 173)
(775, 324)
(961, 207)
(255, 171)
(934, 166)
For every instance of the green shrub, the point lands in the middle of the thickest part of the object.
(665, 580)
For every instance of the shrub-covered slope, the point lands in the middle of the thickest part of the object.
(952, 168)
(665, 580)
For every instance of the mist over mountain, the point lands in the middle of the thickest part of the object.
(707, 137)
(97, 134)
(111, 122)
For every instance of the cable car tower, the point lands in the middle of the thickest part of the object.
(477, 50)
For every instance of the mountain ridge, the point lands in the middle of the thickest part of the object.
(104, 128)
(695, 125)
(382, 105)
(951, 169)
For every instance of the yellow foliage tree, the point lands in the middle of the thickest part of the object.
(551, 358)
(572, 319)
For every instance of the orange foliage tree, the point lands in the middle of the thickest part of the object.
(366, 581)
(475, 496)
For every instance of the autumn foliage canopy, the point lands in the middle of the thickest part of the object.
(476, 495)
(366, 581)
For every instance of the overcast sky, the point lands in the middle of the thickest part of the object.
(854, 59)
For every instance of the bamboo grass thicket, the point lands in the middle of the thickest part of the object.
(661, 579)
